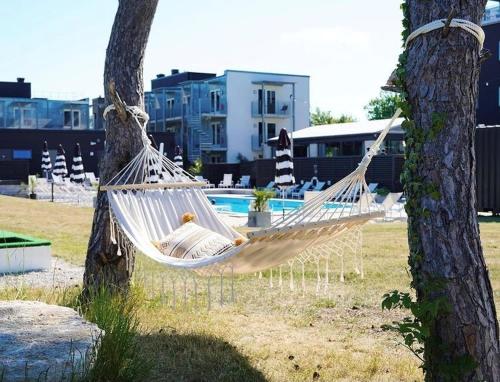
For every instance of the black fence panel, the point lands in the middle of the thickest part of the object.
(384, 170)
(488, 169)
(214, 172)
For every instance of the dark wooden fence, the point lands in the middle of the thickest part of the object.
(488, 168)
(383, 170)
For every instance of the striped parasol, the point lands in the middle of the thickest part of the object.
(178, 157)
(60, 165)
(77, 174)
(46, 164)
(154, 164)
(284, 164)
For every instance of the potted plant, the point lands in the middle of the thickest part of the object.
(258, 215)
(32, 186)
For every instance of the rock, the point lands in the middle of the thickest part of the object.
(43, 342)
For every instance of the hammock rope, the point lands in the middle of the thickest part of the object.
(465, 25)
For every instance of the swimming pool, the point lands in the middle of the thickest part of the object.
(240, 204)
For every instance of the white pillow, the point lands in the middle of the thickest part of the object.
(190, 241)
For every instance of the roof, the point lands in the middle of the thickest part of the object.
(345, 129)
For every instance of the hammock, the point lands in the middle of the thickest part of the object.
(149, 196)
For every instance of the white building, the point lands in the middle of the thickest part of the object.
(229, 117)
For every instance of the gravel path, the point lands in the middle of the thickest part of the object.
(60, 274)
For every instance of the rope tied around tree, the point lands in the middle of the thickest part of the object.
(465, 25)
(138, 114)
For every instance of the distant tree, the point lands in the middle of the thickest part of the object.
(320, 117)
(383, 107)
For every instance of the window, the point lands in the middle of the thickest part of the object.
(216, 133)
(394, 147)
(271, 130)
(21, 154)
(215, 104)
(67, 118)
(271, 102)
(260, 101)
(76, 118)
(260, 133)
(72, 118)
(335, 149)
(23, 117)
(170, 104)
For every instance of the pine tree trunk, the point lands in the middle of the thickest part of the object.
(446, 256)
(106, 264)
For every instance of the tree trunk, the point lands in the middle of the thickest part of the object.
(446, 258)
(107, 264)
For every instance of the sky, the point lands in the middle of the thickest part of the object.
(348, 48)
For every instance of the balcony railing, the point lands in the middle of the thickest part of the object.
(173, 112)
(211, 106)
(20, 113)
(276, 109)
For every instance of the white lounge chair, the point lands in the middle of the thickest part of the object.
(244, 182)
(227, 181)
(389, 203)
(300, 193)
(202, 179)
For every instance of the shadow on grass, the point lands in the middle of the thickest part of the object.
(196, 358)
(489, 219)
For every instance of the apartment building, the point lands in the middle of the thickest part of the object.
(227, 118)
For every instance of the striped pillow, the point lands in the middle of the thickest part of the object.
(190, 241)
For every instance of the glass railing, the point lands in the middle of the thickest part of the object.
(213, 106)
(28, 113)
(278, 109)
(256, 143)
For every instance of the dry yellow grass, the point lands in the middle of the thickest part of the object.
(268, 334)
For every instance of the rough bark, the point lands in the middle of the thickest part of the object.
(442, 84)
(106, 264)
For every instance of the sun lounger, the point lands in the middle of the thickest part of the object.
(300, 193)
(200, 178)
(227, 181)
(244, 182)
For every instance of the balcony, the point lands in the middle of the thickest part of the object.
(173, 113)
(212, 108)
(271, 110)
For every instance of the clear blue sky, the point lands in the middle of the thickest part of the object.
(349, 48)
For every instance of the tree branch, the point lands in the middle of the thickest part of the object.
(120, 106)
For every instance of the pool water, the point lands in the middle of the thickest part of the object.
(241, 204)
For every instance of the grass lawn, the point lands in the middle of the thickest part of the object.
(267, 334)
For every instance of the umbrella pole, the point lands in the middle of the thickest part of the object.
(283, 201)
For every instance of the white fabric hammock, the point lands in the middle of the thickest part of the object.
(146, 212)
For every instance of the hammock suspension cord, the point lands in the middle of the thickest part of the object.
(465, 25)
